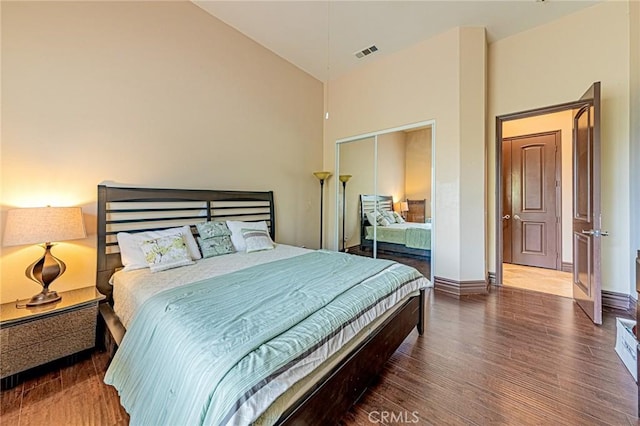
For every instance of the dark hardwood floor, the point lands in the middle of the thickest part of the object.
(510, 357)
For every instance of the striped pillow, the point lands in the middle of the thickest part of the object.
(257, 240)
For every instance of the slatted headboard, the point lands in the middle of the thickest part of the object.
(144, 209)
(369, 203)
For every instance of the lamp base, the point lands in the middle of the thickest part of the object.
(43, 298)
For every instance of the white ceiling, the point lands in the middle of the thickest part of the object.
(321, 37)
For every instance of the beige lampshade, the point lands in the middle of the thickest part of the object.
(404, 206)
(322, 175)
(43, 225)
(344, 178)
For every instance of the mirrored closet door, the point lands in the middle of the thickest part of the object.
(384, 196)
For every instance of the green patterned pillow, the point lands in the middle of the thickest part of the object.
(166, 252)
(213, 229)
(388, 214)
(398, 218)
(216, 246)
(381, 219)
(257, 240)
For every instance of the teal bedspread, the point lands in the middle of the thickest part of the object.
(419, 238)
(194, 353)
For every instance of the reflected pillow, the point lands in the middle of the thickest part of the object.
(166, 252)
(398, 217)
(388, 214)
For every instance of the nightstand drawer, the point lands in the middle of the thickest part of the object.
(33, 342)
(17, 360)
(29, 333)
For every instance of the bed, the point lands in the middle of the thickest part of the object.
(405, 239)
(315, 389)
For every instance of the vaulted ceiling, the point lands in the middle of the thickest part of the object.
(322, 37)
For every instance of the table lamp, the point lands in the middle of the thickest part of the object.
(44, 225)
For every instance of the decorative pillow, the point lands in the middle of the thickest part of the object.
(215, 246)
(132, 256)
(257, 239)
(212, 229)
(388, 214)
(398, 217)
(371, 217)
(166, 252)
(236, 228)
(382, 220)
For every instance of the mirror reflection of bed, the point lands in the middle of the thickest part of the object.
(394, 236)
(392, 172)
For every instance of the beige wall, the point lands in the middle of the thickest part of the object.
(556, 63)
(147, 93)
(409, 87)
(418, 172)
(562, 121)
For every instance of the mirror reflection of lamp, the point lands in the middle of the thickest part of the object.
(44, 225)
(344, 179)
(404, 208)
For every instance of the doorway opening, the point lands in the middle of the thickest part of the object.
(586, 218)
(536, 203)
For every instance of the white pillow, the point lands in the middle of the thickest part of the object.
(372, 217)
(166, 252)
(131, 254)
(236, 227)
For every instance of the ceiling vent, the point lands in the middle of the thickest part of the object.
(366, 52)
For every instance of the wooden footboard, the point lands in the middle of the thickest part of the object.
(328, 401)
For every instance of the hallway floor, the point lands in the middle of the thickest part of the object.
(537, 279)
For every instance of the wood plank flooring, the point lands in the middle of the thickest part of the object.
(510, 357)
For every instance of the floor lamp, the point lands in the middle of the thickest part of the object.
(322, 176)
(344, 179)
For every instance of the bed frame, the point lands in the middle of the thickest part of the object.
(369, 203)
(142, 209)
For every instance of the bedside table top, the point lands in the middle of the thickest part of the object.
(71, 299)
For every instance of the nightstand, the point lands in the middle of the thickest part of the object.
(30, 337)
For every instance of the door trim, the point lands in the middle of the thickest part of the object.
(500, 119)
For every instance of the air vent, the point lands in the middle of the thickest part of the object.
(366, 52)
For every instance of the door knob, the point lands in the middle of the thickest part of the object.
(506, 217)
(516, 217)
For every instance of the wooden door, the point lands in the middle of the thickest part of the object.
(586, 205)
(535, 214)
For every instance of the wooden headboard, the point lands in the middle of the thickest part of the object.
(144, 209)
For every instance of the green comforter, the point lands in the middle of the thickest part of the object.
(192, 354)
